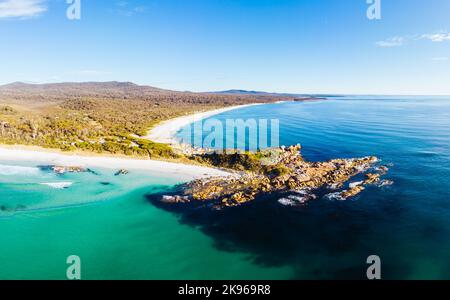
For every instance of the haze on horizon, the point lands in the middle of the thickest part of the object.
(285, 46)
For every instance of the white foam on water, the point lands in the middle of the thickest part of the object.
(58, 185)
(385, 183)
(362, 168)
(294, 200)
(301, 192)
(7, 170)
(334, 186)
(298, 199)
(334, 196)
(287, 202)
(355, 184)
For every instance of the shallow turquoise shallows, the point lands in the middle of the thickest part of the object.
(111, 223)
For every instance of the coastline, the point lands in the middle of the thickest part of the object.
(49, 157)
(165, 132)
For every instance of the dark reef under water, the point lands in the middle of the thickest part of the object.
(274, 235)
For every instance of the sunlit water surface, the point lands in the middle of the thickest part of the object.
(118, 233)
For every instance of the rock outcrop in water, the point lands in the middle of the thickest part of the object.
(121, 172)
(279, 170)
(61, 170)
(68, 169)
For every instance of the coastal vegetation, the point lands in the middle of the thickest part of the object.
(256, 162)
(111, 117)
(114, 118)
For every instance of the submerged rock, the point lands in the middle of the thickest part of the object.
(382, 170)
(122, 172)
(175, 199)
(8, 209)
(385, 183)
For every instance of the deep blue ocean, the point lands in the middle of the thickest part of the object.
(119, 233)
(407, 224)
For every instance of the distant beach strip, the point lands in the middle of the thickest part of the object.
(166, 131)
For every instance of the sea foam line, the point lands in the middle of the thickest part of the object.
(7, 170)
(58, 185)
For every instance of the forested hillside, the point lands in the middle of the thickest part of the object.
(107, 117)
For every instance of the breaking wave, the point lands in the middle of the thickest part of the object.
(301, 197)
(58, 185)
(334, 197)
(7, 170)
(355, 184)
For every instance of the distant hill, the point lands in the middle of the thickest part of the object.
(50, 92)
(298, 97)
(240, 92)
(116, 89)
(111, 89)
(73, 85)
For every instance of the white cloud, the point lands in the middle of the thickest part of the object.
(437, 37)
(125, 9)
(21, 8)
(398, 41)
(392, 42)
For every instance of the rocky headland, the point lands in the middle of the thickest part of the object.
(274, 171)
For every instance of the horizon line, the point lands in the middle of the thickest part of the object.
(331, 94)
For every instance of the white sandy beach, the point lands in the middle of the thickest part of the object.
(166, 131)
(182, 171)
(162, 133)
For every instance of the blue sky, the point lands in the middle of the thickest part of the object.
(304, 46)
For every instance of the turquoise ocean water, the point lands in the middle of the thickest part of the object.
(112, 224)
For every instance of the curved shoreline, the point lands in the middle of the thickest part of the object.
(165, 132)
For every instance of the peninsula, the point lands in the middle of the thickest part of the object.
(114, 118)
